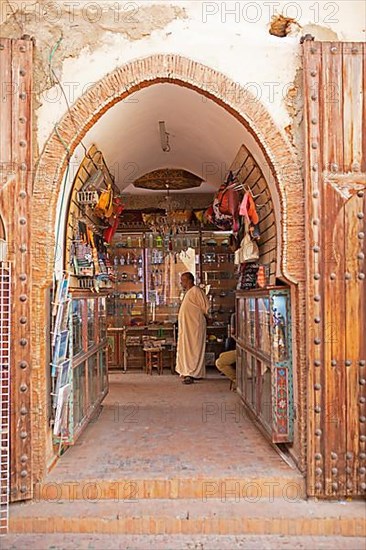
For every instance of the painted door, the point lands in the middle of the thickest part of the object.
(335, 170)
(15, 193)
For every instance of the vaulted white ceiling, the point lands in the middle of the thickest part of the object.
(204, 137)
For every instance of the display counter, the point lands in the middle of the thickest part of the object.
(87, 351)
(264, 359)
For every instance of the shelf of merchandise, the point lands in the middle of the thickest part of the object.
(155, 301)
(218, 271)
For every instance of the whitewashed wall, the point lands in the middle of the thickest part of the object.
(231, 37)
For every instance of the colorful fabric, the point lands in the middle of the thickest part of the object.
(247, 209)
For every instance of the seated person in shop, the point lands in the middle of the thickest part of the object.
(226, 362)
(191, 331)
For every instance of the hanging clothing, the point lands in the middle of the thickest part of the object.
(192, 334)
(247, 209)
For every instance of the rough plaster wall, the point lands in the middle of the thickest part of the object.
(79, 28)
(227, 36)
(79, 31)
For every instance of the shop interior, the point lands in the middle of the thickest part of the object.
(184, 187)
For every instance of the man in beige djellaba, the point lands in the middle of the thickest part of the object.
(191, 331)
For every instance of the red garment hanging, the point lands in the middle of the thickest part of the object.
(247, 209)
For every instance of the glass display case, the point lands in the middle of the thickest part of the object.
(87, 376)
(126, 303)
(264, 364)
(77, 335)
(91, 321)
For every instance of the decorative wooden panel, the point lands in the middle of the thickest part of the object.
(15, 194)
(335, 109)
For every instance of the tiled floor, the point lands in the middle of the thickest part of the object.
(178, 542)
(154, 426)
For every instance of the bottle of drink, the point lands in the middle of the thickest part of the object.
(129, 242)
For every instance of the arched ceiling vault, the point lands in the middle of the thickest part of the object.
(203, 137)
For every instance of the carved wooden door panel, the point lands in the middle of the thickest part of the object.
(15, 193)
(335, 171)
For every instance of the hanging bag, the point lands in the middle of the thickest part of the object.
(248, 251)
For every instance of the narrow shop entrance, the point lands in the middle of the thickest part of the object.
(206, 139)
(136, 219)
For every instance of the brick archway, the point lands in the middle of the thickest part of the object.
(113, 88)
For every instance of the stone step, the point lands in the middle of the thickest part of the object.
(164, 516)
(287, 487)
(86, 541)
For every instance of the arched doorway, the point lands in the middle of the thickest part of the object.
(286, 185)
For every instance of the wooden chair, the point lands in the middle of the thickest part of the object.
(153, 358)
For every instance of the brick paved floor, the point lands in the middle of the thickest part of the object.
(154, 426)
(177, 542)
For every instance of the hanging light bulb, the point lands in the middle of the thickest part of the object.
(164, 137)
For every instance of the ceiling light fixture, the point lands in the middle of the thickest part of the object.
(164, 137)
(173, 221)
